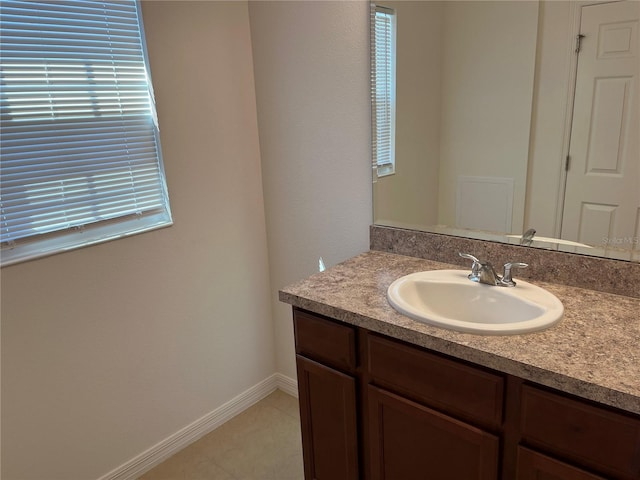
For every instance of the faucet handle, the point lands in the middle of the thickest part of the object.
(506, 277)
(527, 237)
(475, 267)
(469, 256)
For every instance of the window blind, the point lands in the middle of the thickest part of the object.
(80, 153)
(383, 88)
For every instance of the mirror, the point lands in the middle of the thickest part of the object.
(486, 123)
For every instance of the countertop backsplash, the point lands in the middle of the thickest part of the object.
(593, 273)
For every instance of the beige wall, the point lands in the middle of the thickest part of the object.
(486, 135)
(409, 198)
(109, 349)
(311, 62)
(548, 123)
(447, 53)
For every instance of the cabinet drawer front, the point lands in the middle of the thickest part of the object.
(325, 340)
(592, 436)
(535, 466)
(413, 442)
(444, 384)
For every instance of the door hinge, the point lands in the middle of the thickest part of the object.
(579, 38)
(566, 164)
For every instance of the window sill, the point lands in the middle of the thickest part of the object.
(80, 238)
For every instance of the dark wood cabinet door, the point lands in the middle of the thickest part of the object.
(600, 439)
(535, 466)
(328, 419)
(409, 441)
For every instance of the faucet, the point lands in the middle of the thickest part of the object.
(527, 237)
(483, 272)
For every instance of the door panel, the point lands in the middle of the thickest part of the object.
(328, 420)
(602, 197)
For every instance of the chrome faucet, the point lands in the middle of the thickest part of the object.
(483, 272)
(527, 237)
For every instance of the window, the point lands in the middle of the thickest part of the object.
(383, 88)
(81, 160)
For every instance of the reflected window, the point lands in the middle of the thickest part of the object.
(383, 88)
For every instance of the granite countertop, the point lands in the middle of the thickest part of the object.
(594, 352)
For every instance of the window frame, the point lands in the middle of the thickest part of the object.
(101, 230)
(383, 124)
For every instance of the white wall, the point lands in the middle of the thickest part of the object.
(497, 121)
(409, 198)
(551, 95)
(311, 62)
(110, 349)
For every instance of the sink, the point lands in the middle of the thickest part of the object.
(557, 241)
(448, 299)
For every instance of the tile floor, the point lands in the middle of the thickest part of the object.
(262, 443)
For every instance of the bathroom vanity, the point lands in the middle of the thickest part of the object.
(385, 397)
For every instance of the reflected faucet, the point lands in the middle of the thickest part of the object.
(483, 272)
(527, 237)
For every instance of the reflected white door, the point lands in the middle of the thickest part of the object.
(602, 198)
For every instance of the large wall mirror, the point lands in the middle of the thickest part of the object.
(501, 127)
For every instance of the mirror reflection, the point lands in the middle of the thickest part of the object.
(501, 127)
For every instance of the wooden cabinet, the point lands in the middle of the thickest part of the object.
(326, 341)
(535, 466)
(328, 405)
(452, 387)
(328, 419)
(375, 408)
(409, 441)
(605, 441)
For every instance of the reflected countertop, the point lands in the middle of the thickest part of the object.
(594, 352)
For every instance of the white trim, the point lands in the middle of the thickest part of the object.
(155, 455)
(574, 30)
(287, 384)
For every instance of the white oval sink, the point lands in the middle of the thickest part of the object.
(557, 241)
(448, 299)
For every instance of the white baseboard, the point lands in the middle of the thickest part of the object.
(174, 443)
(287, 384)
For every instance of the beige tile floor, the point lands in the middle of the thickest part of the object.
(261, 443)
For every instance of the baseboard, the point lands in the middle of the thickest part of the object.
(287, 384)
(174, 443)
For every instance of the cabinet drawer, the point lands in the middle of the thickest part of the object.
(447, 385)
(534, 466)
(325, 340)
(595, 437)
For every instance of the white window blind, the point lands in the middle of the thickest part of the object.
(383, 88)
(80, 154)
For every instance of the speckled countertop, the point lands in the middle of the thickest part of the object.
(594, 352)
